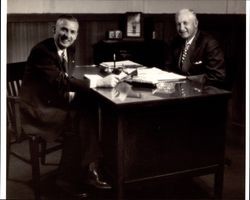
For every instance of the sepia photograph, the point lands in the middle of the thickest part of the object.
(124, 99)
(133, 25)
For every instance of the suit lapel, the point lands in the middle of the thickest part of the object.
(55, 54)
(193, 51)
(71, 60)
(195, 48)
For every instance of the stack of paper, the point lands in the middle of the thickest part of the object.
(121, 64)
(155, 75)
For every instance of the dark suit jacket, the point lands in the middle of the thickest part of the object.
(44, 108)
(206, 58)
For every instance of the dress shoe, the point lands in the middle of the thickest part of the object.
(71, 189)
(94, 178)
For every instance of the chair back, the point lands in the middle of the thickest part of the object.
(38, 148)
(15, 73)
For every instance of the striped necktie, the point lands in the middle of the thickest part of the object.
(184, 53)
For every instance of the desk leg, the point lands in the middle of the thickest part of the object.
(120, 157)
(218, 182)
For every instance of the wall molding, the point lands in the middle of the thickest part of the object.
(122, 6)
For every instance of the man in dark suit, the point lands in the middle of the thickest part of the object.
(50, 99)
(195, 52)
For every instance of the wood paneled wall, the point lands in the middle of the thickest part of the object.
(25, 30)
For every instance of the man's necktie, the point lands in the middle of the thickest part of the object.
(183, 59)
(68, 95)
(64, 62)
(184, 53)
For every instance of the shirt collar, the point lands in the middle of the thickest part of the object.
(60, 51)
(191, 40)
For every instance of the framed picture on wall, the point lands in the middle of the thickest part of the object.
(134, 24)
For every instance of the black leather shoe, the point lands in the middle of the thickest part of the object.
(94, 178)
(71, 189)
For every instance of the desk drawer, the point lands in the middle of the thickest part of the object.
(166, 140)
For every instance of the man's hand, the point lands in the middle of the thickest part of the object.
(109, 81)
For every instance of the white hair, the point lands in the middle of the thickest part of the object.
(187, 11)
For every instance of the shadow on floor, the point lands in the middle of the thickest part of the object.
(181, 189)
(19, 182)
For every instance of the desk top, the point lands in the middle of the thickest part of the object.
(126, 94)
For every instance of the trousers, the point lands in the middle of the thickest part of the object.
(80, 140)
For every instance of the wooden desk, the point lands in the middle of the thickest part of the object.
(149, 135)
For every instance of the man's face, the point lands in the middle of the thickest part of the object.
(186, 25)
(65, 33)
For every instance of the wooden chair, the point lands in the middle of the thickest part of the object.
(37, 146)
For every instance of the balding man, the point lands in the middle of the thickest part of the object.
(194, 52)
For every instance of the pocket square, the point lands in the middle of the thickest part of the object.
(198, 62)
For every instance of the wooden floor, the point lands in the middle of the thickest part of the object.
(19, 182)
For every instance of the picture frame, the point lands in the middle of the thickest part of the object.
(134, 25)
(114, 34)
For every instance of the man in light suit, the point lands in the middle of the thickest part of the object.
(195, 52)
(50, 99)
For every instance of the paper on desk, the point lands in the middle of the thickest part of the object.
(154, 75)
(122, 75)
(121, 64)
(93, 77)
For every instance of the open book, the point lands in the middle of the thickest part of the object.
(155, 75)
